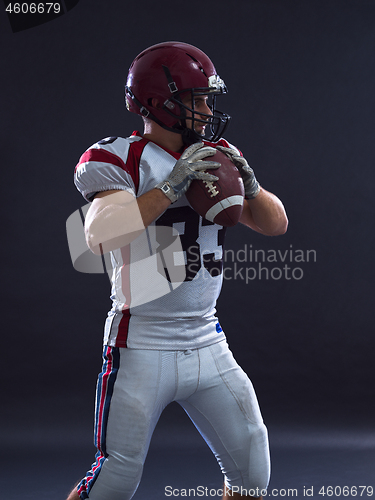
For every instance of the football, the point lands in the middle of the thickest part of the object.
(219, 201)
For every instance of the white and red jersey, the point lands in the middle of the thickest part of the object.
(154, 305)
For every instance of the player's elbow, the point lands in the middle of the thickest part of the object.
(93, 242)
(278, 227)
(105, 234)
(281, 227)
(112, 222)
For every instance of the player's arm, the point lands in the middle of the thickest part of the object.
(115, 218)
(262, 211)
(265, 214)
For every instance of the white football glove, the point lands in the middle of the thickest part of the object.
(188, 168)
(251, 185)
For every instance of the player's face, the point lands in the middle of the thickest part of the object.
(200, 106)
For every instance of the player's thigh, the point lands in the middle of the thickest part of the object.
(226, 412)
(225, 386)
(140, 394)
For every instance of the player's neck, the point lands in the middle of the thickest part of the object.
(164, 138)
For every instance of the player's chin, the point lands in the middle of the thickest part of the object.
(200, 129)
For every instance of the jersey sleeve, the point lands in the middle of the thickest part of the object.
(104, 167)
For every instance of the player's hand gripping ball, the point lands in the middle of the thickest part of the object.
(219, 201)
(190, 166)
(251, 185)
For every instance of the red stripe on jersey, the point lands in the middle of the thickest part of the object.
(102, 156)
(132, 163)
(123, 327)
(134, 157)
(175, 155)
(221, 142)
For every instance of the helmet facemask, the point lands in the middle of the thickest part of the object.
(216, 123)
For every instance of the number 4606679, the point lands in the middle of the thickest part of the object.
(33, 8)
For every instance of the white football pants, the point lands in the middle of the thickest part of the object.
(134, 388)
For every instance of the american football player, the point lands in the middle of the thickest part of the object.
(162, 338)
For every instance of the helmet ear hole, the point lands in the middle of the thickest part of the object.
(154, 103)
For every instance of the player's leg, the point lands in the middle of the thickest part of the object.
(226, 412)
(130, 399)
(73, 495)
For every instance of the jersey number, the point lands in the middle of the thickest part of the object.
(189, 243)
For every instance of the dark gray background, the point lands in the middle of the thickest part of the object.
(301, 81)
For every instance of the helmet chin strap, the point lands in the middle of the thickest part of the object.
(190, 137)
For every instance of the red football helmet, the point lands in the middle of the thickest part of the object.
(168, 72)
